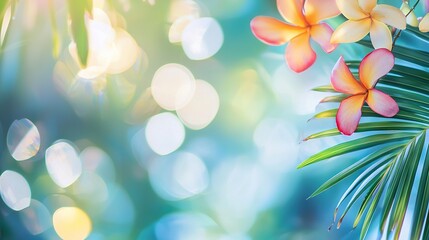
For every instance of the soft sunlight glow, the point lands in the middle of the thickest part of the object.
(111, 51)
(23, 139)
(240, 189)
(278, 144)
(71, 223)
(63, 163)
(36, 218)
(180, 8)
(202, 38)
(124, 52)
(173, 86)
(202, 108)
(15, 191)
(101, 41)
(164, 133)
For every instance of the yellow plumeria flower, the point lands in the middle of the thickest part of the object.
(424, 24)
(366, 16)
(411, 18)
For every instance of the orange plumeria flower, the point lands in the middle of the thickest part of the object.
(305, 17)
(375, 65)
(365, 16)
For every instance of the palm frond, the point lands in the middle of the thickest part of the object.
(399, 145)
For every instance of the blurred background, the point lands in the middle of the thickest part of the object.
(183, 126)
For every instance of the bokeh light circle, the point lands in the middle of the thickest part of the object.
(164, 133)
(63, 163)
(15, 191)
(202, 38)
(185, 225)
(124, 52)
(36, 218)
(178, 176)
(172, 86)
(176, 29)
(180, 8)
(71, 223)
(23, 139)
(202, 108)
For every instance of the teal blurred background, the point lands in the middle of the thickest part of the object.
(234, 179)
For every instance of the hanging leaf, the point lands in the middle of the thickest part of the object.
(77, 9)
(5, 17)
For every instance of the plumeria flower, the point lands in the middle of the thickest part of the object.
(375, 65)
(365, 16)
(304, 23)
(424, 24)
(411, 18)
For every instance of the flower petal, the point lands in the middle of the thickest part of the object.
(299, 54)
(318, 10)
(424, 24)
(321, 33)
(351, 9)
(274, 32)
(351, 31)
(426, 5)
(411, 18)
(367, 5)
(389, 15)
(381, 37)
(291, 10)
(382, 103)
(343, 81)
(375, 65)
(349, 114)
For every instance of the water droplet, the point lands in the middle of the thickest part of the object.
(164, 133)
(202, 108)
(202, 38)
(71, 223)
(15, 191)
(173, 85)
(23, 139)
(63, 164)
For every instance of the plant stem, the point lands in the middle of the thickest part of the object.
(399, 32)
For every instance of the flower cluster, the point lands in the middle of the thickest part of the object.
(304, 22)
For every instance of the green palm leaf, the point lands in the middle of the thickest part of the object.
(399, 146)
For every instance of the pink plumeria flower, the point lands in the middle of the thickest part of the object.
(375, 65)
(366, 16)
(304, 18)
